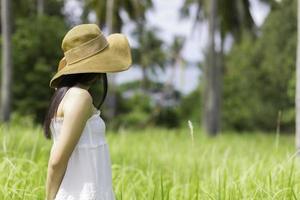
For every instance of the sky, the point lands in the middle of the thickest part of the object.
(165, 16)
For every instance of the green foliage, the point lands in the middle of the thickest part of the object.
(234, 15)
(28, 8)
(134, 9)
(190, 107)
(36, 52)
(155, 58)
(260, 75)
(149, 42)
(169, 117)
(132, 112)
(140, 110)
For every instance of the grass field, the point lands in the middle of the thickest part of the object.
(164, 164)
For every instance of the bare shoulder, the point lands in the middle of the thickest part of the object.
(76, 91)
(78, 98)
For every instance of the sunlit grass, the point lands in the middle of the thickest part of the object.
(164, 164)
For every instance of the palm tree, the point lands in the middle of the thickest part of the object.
(112, 97)
(211, 112)
(108, 15)
(175, 55)
(40, 7)
(135, 10)
(297, 99)
(6, 60)
(232, 19)
(155, 57)
(175, 59)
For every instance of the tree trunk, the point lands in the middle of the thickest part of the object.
(297, 99)
(84, 15)
(111, 101)
(6, 60)
(211, 111)
(40, 7)
(145, 80)
(109, 15)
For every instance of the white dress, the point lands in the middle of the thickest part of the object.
(88, 175)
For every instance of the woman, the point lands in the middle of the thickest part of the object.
(79, 166)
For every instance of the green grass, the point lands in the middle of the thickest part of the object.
(163, 164)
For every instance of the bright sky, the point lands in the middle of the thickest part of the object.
(165, 16)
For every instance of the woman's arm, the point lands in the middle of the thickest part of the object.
(77, 110)
(54, 178)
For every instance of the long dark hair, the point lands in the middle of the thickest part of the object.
(65, 83)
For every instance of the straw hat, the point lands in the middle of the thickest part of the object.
(87, 50)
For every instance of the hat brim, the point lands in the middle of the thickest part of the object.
(116, 57)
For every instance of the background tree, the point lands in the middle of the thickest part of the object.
(35, 54)
(108, 14)
(258, 72)
(7, 69)
(212, 75)
(112, 96)
(259, 80)
(298, 80)
(29, 8)
(175, 58)
(40, 7)
(31, 85)
(134, 9)
(232, 19)
(154, 59)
